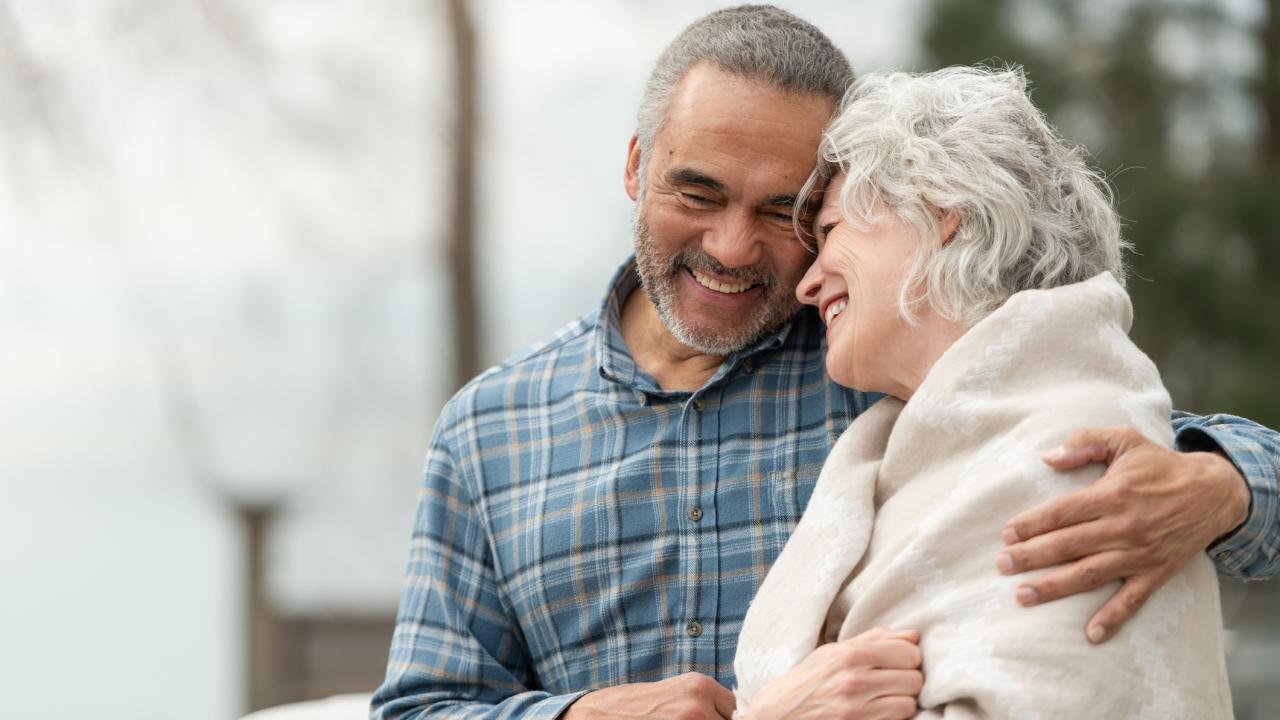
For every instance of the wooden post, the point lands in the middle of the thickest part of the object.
(462, 225)
(264, 646)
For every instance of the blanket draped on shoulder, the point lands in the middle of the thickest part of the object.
(903, 529)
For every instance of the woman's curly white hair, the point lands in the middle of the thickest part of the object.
(968, 141)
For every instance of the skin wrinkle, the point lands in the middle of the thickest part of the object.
(755, 143)
(871, 345)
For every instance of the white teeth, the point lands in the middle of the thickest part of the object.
(835, 309)
(718, 286)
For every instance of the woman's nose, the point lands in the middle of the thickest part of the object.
(810, 285)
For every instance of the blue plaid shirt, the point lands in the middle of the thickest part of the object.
(579, 527)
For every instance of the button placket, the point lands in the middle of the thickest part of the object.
(691, 536)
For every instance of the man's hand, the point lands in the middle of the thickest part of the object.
(691, 696)
(1141, 522)
(874, 675)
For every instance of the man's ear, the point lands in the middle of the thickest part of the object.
(949, 225)
(631, 175)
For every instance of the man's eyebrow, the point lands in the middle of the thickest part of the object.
(687, 176)
(782, 200)
(807, 210)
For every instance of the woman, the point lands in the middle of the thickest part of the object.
(969, 266)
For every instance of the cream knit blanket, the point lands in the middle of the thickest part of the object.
(903, 530)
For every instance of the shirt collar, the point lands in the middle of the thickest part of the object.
(614, 361)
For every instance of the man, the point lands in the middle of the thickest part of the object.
(598, 511)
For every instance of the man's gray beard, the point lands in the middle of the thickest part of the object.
(660, 282)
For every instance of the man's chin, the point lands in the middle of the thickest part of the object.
(707, 328)
(715, 336)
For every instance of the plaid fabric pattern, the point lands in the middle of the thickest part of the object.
(1252, 551)
(580, 528)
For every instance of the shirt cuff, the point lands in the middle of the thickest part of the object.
(1235, 552)
(555, 707)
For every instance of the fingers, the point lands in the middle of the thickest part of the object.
(1078, 506)
(708, 694)
(881, 683)
(1091, 445)
(911, 636)
(1059, 546)
(724, 701)
(892, 707)
(893, 654)
(884, 648)
(884, 632)
(1080, 576)
(876, 669)
(1130, 598)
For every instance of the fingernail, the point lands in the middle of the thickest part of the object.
(1009, 535)
(1005, 563)
(1055, 454)
(1096, 633)
(1027, 595)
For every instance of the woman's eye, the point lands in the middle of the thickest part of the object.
(825, 230)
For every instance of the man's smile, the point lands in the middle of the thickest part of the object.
(711, 283)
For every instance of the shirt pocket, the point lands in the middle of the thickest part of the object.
(789, 489)
(785, 494)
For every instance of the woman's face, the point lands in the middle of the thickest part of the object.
(854, 283)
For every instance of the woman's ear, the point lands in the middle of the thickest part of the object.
(631, 174)
(949, 224)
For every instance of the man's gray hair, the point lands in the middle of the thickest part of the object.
(969, 141)
(759, 42)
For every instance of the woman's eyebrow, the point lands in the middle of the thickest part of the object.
(813, 208)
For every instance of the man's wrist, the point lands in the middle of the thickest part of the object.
(568, 707)
(1235, 511)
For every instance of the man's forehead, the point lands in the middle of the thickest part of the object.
(718, 123)
(709, 95)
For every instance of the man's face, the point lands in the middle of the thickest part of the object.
(715, 246)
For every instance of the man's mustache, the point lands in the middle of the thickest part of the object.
(704, 263)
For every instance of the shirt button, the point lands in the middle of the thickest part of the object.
(697, 405)
(694, 628)
(746, 365)
(695, 514)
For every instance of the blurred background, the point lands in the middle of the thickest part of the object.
(249, 247)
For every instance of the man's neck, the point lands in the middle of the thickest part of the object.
(654, 349)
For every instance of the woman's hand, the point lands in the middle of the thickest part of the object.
(874, 676)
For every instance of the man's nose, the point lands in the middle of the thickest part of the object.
(734, 240)
(810, 286)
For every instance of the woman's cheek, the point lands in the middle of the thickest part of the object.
(841, 354)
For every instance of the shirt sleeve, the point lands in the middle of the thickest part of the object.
(456, 651)
(1252, 551)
